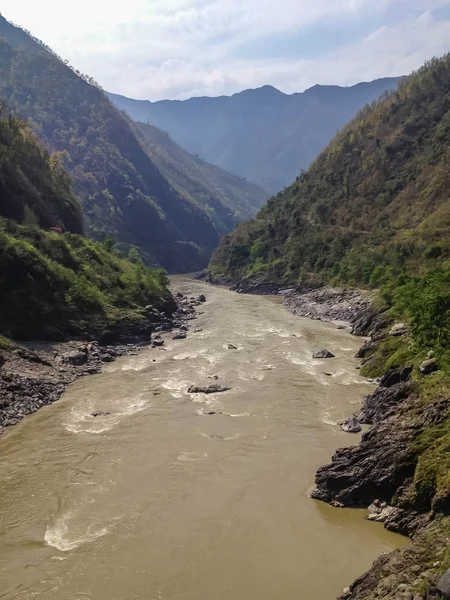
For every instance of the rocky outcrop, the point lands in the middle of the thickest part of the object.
(323, 354)
(351, 425)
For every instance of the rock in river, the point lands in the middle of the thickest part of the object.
(207, 389)
(351, 425)
(231, 347)
(158, 341)
(179, 335)
(323, 354)
(201, 298)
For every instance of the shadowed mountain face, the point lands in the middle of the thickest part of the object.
(263, 135)
(227, 199)
(122, 190)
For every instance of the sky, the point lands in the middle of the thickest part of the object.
(176, 49)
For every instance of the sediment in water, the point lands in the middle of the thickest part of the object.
(379, 472)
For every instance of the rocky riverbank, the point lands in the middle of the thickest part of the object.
(323, 303)
(382, 473)
(35, 374)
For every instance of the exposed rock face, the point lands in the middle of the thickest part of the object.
(323, 354)
(384, 458)
(444, 584)
(399, 329)
(395, 376)
(214, 388)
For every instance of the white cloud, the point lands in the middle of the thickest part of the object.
(178, 48)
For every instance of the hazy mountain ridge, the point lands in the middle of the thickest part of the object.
(227, 198)
(264, 135)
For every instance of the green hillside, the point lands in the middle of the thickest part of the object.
(374, 205)
(121, 190)
(58, 284)
(227, 199)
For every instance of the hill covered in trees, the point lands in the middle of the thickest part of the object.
(374, 205)
(121, 190)
(263, 135)
(56, 284)
(228, 199)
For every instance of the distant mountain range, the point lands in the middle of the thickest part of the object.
(264, 135)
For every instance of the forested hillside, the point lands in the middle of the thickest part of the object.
(52, 283)
(121, 190)
(263, 135)
(375, 204)
(227, 199)
(34, 188)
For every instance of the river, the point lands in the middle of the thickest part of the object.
(160, 501)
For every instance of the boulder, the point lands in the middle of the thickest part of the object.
(351, 425)
(444, 584)
(198, 330)
(75, 358)
(179, 335)
(183, 328)
(158, 342)
(215, 388)
(399, 329)
(201, 298)
(100, 413)
(231, 347)
(429, 366)
(323, 354)
(395, 376)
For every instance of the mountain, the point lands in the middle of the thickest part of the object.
(228, 199)
(263, 135)
(121, 190)
(373, 205)
(52, 283)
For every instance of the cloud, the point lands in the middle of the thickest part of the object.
(178, 48)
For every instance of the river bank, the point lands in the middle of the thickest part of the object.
(36, 374)
(380, 473)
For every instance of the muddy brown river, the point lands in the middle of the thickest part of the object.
(160, 501)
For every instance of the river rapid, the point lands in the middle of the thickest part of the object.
(160, 501)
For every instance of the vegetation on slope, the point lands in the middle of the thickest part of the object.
(121, 190)
(54, 284)
(226, 198)
(373, 206)
(34, 188)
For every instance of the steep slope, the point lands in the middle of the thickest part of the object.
(121, 190)
(55, 284)
(263, 135)
(227, 199)
(34, 188)
(374, 204)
